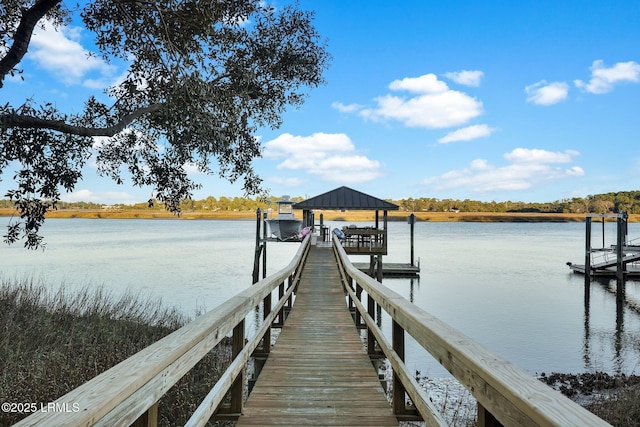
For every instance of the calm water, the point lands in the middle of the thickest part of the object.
(504, 285)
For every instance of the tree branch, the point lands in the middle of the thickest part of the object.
(22, 36)
(14, 120)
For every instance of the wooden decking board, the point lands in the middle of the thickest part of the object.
(318, 373)
(296, 420)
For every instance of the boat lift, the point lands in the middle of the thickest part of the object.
(616, 260)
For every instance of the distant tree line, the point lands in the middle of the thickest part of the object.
(623, 201)
(627, 201)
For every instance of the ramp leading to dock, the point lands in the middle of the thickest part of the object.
(608, 267)
(611, 263)
(318, 372)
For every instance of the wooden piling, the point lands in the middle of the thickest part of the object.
(412, 222)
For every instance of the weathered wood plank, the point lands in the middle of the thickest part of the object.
(318, 373)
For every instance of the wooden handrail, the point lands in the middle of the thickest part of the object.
(122, 394)
(502, 390)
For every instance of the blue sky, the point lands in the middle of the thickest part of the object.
(493, 100)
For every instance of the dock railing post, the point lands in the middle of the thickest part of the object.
(260, 354)
(266, 310)
(398, 392)
(290, 283)
(280, 320)
(358, 317)
(486, 419)
(371, 340)
(149, 418)
(237, 389)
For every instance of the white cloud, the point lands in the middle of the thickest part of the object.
(318, 145)
(527, 155)
(467, 134)
(350, 108)
(465, 77)
(333, 157)
(434, 106)
(60, 52)
(543, 93)
(427, 83)
(527, 168)
(603, 79)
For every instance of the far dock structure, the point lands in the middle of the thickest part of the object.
(369, 240)
(619, 260)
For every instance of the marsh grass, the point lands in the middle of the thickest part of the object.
(613, 397)
(53, 341)
(621, 409)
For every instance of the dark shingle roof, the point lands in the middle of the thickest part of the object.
(346, 198)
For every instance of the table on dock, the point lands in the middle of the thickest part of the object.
(318, 372)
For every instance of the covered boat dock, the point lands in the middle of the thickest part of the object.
(357, 240)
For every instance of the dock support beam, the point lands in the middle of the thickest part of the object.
(412, 221)
(620, 265)
(620, 242)
(587, 251)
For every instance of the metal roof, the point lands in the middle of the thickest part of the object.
(345, 198)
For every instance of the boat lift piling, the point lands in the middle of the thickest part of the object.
(261, 247)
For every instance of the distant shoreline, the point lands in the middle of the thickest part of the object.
(355, 216)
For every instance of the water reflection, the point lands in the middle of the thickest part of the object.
(412, 282)
(587, 304)
(620, 299)
(616, 289)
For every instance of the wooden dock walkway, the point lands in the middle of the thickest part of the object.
(318, 372)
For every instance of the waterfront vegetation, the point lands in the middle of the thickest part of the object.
(54, 341)
(425, 209)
